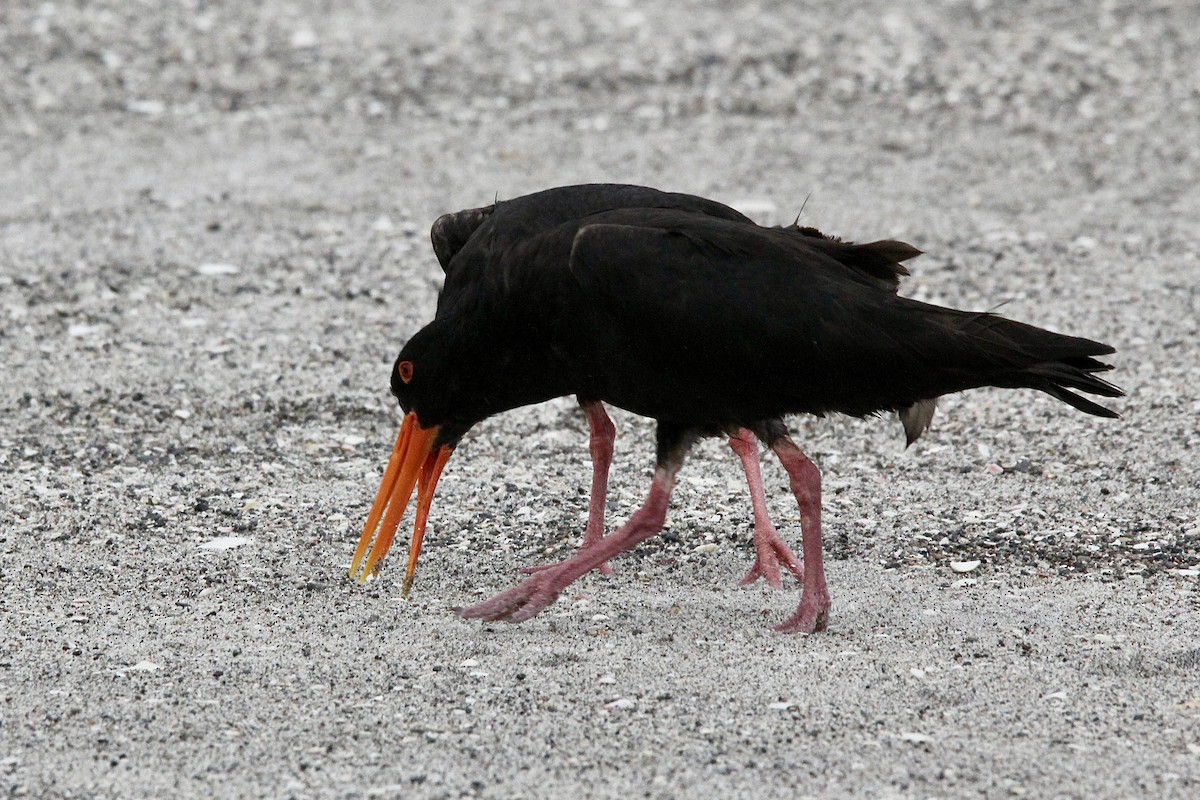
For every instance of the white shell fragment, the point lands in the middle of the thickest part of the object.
(964, 567)
(144, 666)
(83, 331)
(150, 108)
(225, 543)
(304, 39)
(217, 269)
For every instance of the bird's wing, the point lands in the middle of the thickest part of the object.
(704, 271)
(451, 232)
(723, 309)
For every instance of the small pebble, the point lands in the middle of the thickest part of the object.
(915, 738)
(620, 704)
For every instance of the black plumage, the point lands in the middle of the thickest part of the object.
(683, 310)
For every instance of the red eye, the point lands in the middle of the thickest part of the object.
(405, 369)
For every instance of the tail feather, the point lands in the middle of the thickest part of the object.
(988, 350)
(1056, 378)
(1077, 377)
(1081, 403)
(1040, 359)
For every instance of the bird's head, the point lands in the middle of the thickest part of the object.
(438, 384)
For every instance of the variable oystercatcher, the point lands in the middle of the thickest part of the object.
(681, 309)
(451, 232)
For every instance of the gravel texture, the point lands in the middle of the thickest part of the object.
(214, 242)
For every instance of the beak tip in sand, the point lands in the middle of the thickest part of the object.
(415, 464)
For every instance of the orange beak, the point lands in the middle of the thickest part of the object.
(414, 463)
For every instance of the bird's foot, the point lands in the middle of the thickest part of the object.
(543, 587)
(770, 552)
(522, 601)
(811, 616)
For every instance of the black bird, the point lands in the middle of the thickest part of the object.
(681, 309)
(452, 231)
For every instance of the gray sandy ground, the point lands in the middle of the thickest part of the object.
(213, 242)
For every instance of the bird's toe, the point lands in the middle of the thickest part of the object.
(767, 566)
(755, 572)
(518, 603)
(495, 608)
(809, 618)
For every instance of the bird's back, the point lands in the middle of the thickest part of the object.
(710, 322)
(475, 245)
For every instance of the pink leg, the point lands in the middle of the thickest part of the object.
(769, 549)
(541, 589)
(604, 433)
(813, 613)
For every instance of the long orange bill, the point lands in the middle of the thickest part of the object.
(425, 486)
(413, 461)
